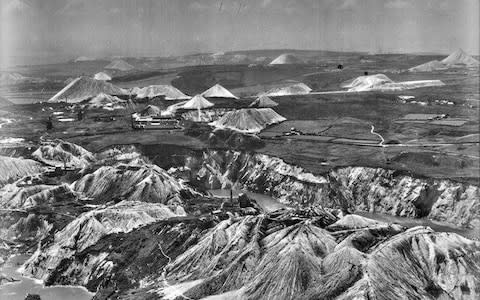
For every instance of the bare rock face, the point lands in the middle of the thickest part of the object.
(30, 208)
(122, 260)
(145, 247)
(303, 261)
(12, 169)
(419, 264)
(218, 169)
(350, 188)
(434, 264)
(287, 254)
(59, 153)
(143, 182)
(385, 191)
(16, 196)
(90, 227)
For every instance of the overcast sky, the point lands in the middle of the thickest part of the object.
(48, 30)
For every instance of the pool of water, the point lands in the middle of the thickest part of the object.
(270, 204)
(19, 289)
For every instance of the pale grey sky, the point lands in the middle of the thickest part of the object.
(49, 30)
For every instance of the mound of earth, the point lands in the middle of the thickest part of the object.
(59, 153)
(262, 102)
(103, 100)
(286, 59)
(197, 103)
(380, 82)
(134, 182)
(102, 76)
(353, 222)
(119, 65)
(286, 254)
(83, 88)
(14, 168)
(366, 82)
(83, 58)
(249, 120)
(168, 91)
(430, 66)
(295, 89)
(460, 57)
(151, 110)
(218, 91)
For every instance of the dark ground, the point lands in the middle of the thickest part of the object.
(338, 124)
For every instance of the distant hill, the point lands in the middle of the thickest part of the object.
(294, 89)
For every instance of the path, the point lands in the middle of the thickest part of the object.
(372, 131)
(173, 291)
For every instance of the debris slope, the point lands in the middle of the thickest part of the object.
(249, 120)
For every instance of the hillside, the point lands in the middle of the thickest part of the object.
(14, 168)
